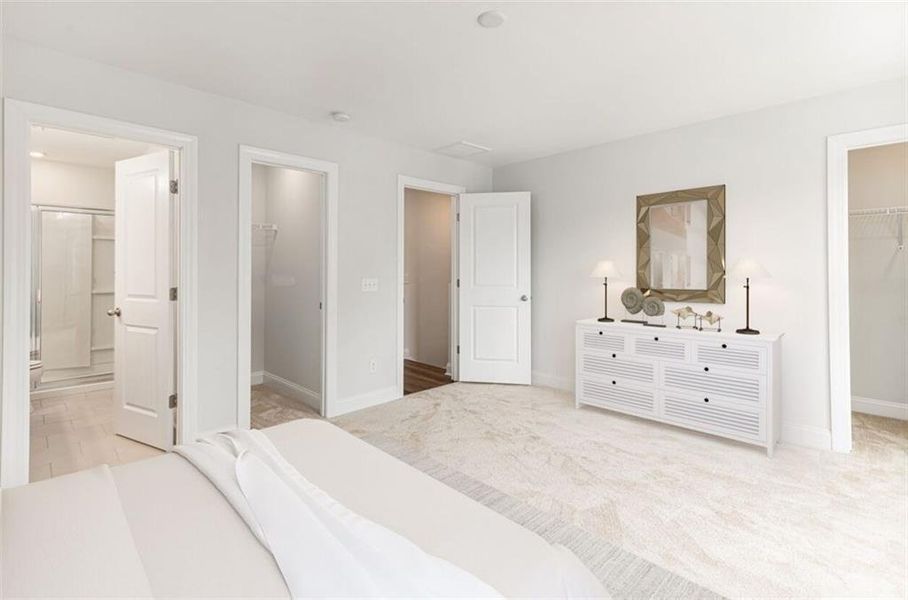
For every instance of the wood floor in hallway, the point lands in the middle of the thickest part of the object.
(420, 376)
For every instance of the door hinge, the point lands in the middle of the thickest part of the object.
(319, 305)
(458, 282)
(173, 294)
(458, 348)
(458, 217)
(172, 401)
(174, 186)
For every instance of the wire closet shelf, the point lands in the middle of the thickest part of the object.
(897, 212)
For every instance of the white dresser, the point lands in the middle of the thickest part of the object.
(726, 384)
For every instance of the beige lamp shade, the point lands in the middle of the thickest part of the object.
(748, 268)
(605, 268)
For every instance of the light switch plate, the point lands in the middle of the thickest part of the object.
(370, 284)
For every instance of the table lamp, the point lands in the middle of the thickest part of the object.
(603, 270)
(747, 269)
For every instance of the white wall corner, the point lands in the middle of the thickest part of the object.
(257, 378)
(807, 436)
(361, 401)
(880, 408)
(553, 381)
(309, 397)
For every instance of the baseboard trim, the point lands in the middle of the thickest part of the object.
(807, 436)
(880, 408)
(310, 398)
(361, 401)
(553, 381)
(257, 378)
(70, 390)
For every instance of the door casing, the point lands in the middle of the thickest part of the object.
(247, 156)
(18, 118)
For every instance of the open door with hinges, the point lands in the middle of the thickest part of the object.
(144, 305)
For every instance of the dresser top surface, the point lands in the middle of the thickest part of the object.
(637, 328)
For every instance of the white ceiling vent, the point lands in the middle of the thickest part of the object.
(462, 149)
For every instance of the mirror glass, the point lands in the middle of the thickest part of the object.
(678, 245)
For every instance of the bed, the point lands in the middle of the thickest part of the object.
(159, 528)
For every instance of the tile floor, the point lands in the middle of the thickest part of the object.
(75, 431)
(269, 408)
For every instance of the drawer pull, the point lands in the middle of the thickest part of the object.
(656, 339)
(614, 356)
(600, 333)
(725, 345)
(706, 368)
(614, 383)
(706, 399)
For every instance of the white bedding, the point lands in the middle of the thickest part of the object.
(176, 535)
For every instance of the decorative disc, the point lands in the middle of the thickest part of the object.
(653, 307)
(632, 299)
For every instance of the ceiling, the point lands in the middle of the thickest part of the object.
(556, 76)
(84, 149)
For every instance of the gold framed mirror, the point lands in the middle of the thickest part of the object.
(681, 245)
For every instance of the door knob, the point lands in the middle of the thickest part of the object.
(113, 312)
(524, 298)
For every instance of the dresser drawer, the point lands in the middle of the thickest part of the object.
(708, 381)
(662, 347)
(597, 339)
(730, 354)
(605, 394)
(714, 416)
(615, 366)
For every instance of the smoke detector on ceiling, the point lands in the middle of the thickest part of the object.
(491, 19)
(462, 149)
(340, 116)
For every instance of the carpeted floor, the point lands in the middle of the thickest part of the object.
(805, 523)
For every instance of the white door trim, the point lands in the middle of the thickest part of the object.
(16, 231)
(403, 183)
(247, 156)
(837, 148)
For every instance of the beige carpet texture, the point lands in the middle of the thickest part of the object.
(717, 514)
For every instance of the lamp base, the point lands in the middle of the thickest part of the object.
(747, 331)
(605, 320)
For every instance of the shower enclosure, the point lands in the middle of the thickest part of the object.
(72, 289)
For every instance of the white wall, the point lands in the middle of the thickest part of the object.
(878, 277)
(427, 276)
(293, 278)
(64, 184)
(366, 209)
(773, 162)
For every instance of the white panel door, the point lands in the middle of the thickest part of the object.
(495, 301)
(144, 331)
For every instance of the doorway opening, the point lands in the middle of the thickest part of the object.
(878, 290)
(287, 302)
(286, 360)
(868, 311)
(429, 286)
(102, 365)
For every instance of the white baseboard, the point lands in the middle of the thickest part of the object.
(361, 401)
(70, 390)
(257, 378)
(807, 436)
(311, 398)
(553, 381)
(880, 408)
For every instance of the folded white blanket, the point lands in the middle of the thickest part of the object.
(321, 547)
